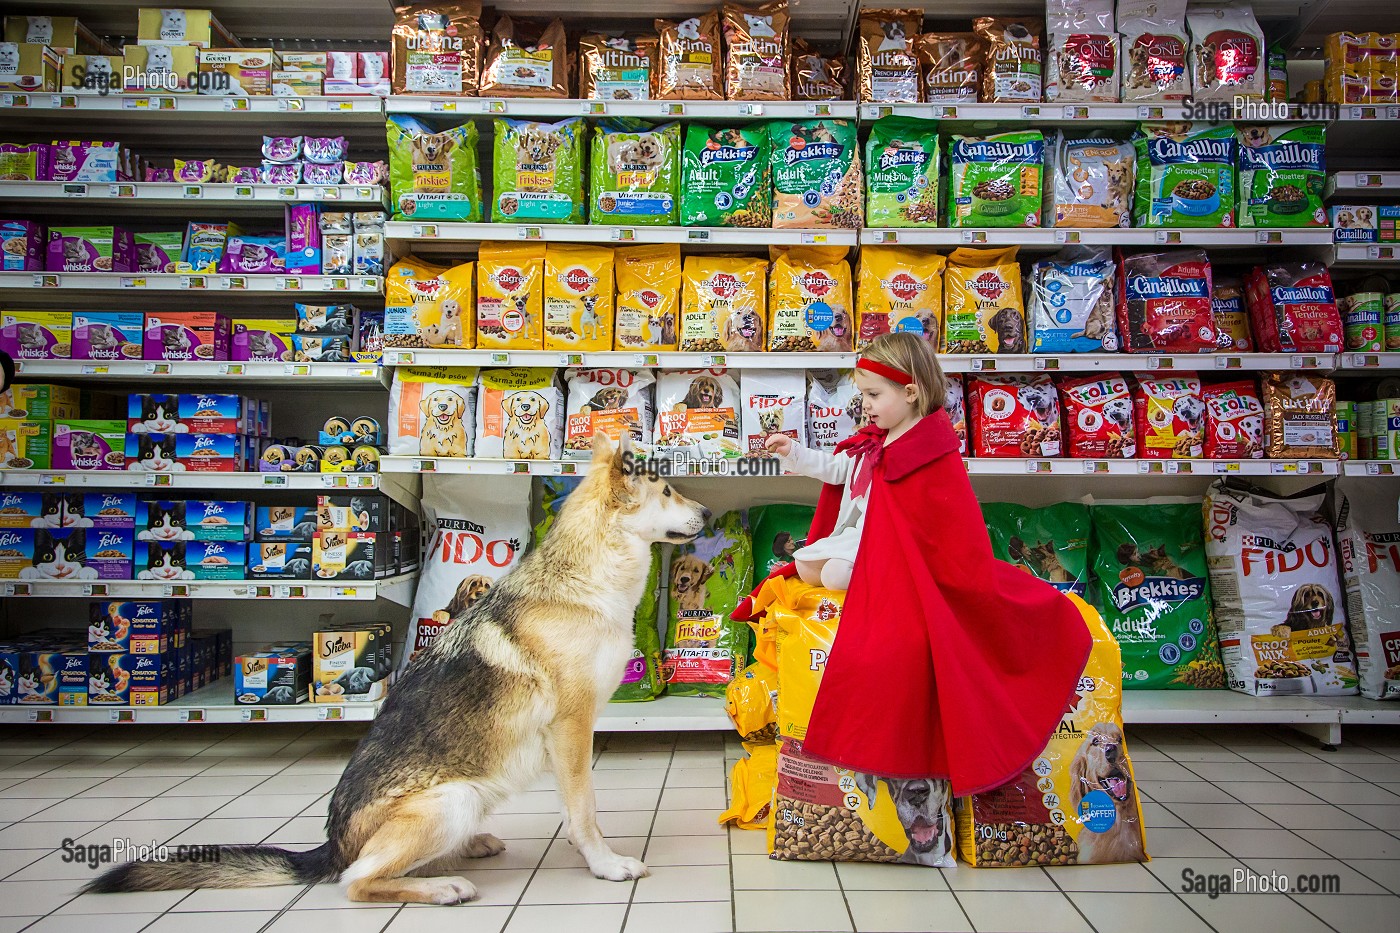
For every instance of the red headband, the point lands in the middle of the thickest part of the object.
(889, 372)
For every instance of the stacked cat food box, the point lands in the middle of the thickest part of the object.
(206, 433)
(66, 536)
(339, 538)
(350, 663)
(29, 417)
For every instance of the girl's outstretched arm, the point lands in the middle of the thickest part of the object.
(829, 468)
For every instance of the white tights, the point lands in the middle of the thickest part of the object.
(833, 573)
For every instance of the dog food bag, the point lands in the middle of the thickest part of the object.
(1227, 55)
(1185, 175)
(982, 305)
(578, 297)
(613, 401)
(774, 402)
(538, 171)
(1091, 180)
(1164, 302)
(1150, 570)
(434, 174)
(816, 76)
(477, 532)
(887, 70)
(726, 180)
(1283, 171)
(690, 66)
(833, 408)
(428, 306)
(1227, 305)
(756, 51)
(519, 414)
(723, 304)
(995, 181)
(1014, 416)
(510, 296)
(1293, 308)
(1049, 543)
(1300, 416)
(648, 296)
(900, 291)
(777, 530)
(1170, 417)
(1234, 421)
(1154, 50)
(1012, 74)
(436, 48)
(432, 411)
(1368, 538)
(951, 64)
(1083, 51)
(816, 174)
(634, 173)
(1072, 296)
(752, 781)
(697, 413)
(809, 300)
(615, 68)
(705, 649)
(1076, 804)
(1283, 623)
(901, 181)
(1099, 417)
(526, 59)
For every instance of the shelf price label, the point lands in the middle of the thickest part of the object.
(750, 110)
(427, 466)
(500, 359)
(235, 283)
(443, 106)
(1042, 363)
(1380, 469)
(1268, 237)
(1076, 113)
(75, 191)
(1161, 362)
(818, 110)
(253, 715)
(41, 715)
(974, 236)
(1366, 180)
(95, 589)
(672, 110)
(243, 192)
(1150, 113)
(571, 359)
(885, 236)
(698, 236)
(52, 479)
(331, 713)
(289, 283)
(1167, 236)
(193, 191)
(1095, 466)
(14, 100)
(1228, 466)
(425, 231)
(46, 281)
(1030, 112)
(1228, 362)
(982, 365)
(1386, 253)
(17, 589)
(1039, 466)
(122, 715)
(121, 191)
(622, 234)
(715, 359)
(1067, 236)
(274, 479)
(133, 282)
(96, 370)
(327, 194)
(176, 590)
(157, 369)
(193, 281)
(236, 103)
(192, 715)
(645, 359)
(291, 104)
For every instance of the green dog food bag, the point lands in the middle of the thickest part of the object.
(1050, 543)
(1186, 175)
(776, 530)
(434, 174)
(1283, 171)
(995, 181)
(705, 649)
(634, 173)
(725, 177)
(816, 174)
(1154, 591)
(538, 172)
(901, 173)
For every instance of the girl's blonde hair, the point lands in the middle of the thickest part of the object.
(913, 355)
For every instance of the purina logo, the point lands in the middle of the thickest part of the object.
(724, 285)
(990, 285)
(727, 154)
(578, 280)
(508, 279)
(812, 151)
(904, 286)
(817, 283)
(893, 158)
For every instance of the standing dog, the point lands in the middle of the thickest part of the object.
(518, 679)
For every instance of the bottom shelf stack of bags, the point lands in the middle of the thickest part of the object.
(1076, 804)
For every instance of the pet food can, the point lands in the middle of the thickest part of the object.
(1365, 432)
(1347, 429)
(1392, 322)
(365, 459)
(1362, 317)
(308, 458)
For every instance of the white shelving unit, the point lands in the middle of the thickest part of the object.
(321, 375)
(395, 589)
(27, 283)
(366, 108)
(448, 234)
(1114, 236)
(124, 195)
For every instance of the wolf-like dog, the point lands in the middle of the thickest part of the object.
(516, 679)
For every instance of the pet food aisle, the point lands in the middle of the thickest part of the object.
(315, 323)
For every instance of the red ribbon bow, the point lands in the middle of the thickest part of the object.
(869, 445)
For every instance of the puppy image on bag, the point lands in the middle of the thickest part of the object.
(520, 414)
(648, 297)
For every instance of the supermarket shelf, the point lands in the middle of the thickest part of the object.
(1362, 184)
(652, 109)
(1188, 707)
(121, 479)
(395, 589)
(322, 375)
(1369, 361)
(1051, 237)
(1371, 468)
(211, 704)
(1385, 255)
(367, 108)
(27, 283)
(166, 194)
(451, 233)
(1136, 362)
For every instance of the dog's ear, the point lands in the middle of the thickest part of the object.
(602, 449)
(508, 405)
(1078, 775)
(461, 405)
(544, 406)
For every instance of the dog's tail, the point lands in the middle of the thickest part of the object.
(225, 867)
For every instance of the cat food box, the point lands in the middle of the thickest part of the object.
(192, 520)
(351, 665)
(73, 678)
(108, 335)
(272, 678)
(22, 243)
(90, 249)
(211, 453)
(39, 677)
(109, 510)
(282, 560)
(66, 554)
(189, 335)
(352, 513)
(262, 341)
(237, 72)
(159, 251)
(123, 679)
(17, 553)
(39, 401)
(159, 69)
(173, 561)
(218, 414)
(67, 510)
(152, 452)
(346, 555)
(37, 335)
(284, 523)
(25, 445)
(90, 162)
(89, 445)
(149, 626)
(197, 28)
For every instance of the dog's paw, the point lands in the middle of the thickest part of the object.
(452, 890)
(485, 845)
(614, 867)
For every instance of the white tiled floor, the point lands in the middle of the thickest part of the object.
(1215, 800)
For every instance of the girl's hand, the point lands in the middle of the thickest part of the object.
(779, 444)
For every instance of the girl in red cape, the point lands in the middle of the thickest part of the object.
(947, 663)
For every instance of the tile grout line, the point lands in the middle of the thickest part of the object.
(1065, 895)
(646, 847)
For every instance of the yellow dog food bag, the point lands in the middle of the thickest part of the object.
(510, 296)
(578, 297)
(1076, 804)
(648, 297)
(750, 702)
(809, 300)
(900, 292)
(751, 787)
(723, 304)
(519, 414)
(427, 305)
(983, 311)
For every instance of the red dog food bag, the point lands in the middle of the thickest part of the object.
(1164, 302)
(1170, 417)
(1293, 309)
(1014, 416)
(1234, 421)
(1099, 417)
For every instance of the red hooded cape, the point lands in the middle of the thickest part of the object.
(947, 661)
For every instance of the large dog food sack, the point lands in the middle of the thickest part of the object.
(614, 401)
(809, 300)
(697, 413)
(777, 529)
(434, 174)
(477, 528)
(995, 181)
(816, 174)
(538, 175)
(1099, 417)
(723, 302)
(1050, 543)
(900, 291)
(1185, 175)
(705, 649)
(526, 59)
(751, 785)
(1300, 416)
(1014, 72)
(1368, 537)
(1150, 570)
(510, 296)
(691, 60)
(1283, 626)
(436, 48)
(1234, 421)
(951, 64)
(750, 700)
(773, 403)
(634, 173)
(887, 70)
(1164, 302)
(616, 68)
(983, 311)
(519, 414)
(432, 411)
(1077, 804)
(1283, 171)
(834, 410)
(578, 297)
(1293, 308)
(726, 180)
(1089, 180)
(901, 173)
(756, 51)
(648, 297)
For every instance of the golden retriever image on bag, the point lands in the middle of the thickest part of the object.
(514, 682)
